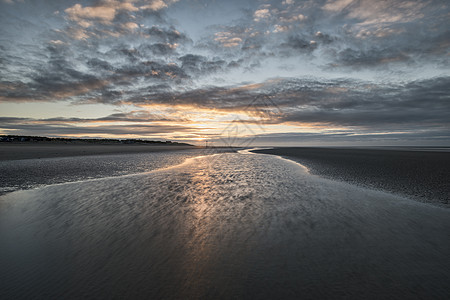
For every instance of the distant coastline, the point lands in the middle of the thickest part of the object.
(54, 140)
(29, 147)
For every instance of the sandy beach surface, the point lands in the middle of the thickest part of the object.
(16, 151)
(419, 173)
(230, 226)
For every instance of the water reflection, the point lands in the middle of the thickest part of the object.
(200, 256)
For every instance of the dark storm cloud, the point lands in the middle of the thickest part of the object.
(58, 77)
(198, 64)
(208, 97)
(252, 44)
(54, 78)
(132, 117)
(160, 49)
(369, 58)
(99, 65)
(153, 69)
(59, 72)
(421, 103)
(324, 38)
(192, 61)
(358, 34)
(298, 44)
(167, 35)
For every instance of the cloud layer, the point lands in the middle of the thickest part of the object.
(364, 65)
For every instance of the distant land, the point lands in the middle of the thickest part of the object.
(14, 147)
(43, 139)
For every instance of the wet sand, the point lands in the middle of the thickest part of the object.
(233, 226)
(415, 173)
(46, 150)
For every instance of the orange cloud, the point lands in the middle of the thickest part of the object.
(78, 13)
(261, 14)
(227, 39)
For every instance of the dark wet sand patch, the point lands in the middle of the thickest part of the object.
(421, 175)
(34, 151)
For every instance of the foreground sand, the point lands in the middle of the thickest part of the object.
(44, 150)
(422, 175)
(235, 226)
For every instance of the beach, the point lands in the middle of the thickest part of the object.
(28, 166)
(241, 225)
(16, 151)
(419, 173)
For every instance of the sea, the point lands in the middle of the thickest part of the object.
(216, 225)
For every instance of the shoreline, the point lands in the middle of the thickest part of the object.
(32, 167)
(419, 175)
(46, 150)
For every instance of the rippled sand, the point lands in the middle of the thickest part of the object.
(225, 226)
(13, 151)
(421, 173)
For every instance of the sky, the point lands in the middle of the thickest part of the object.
(236, 72)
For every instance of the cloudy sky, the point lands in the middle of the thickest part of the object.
(292, 72)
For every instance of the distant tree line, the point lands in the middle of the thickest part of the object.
(31, 139)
